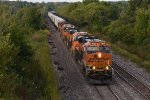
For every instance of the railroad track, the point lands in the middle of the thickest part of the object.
(114, 93)
(138, 85)
(110, 90)
(99, 93)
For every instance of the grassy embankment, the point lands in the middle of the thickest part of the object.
(42, 56)
(132, 57)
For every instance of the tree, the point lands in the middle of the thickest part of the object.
(89, 1)
(8, 53)
(142, 24)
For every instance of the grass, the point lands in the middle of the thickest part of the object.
(131, 57)
(42, 55)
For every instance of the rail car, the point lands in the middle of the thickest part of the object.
(78, 40)
(58, 21)
(93, 54)
(69, 36)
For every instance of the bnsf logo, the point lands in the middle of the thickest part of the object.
(97, 59)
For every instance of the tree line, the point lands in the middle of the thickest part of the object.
(22, 70)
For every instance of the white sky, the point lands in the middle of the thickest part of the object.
(61, 0)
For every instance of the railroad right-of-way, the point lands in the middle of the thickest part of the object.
(72, 82)
(138, 85)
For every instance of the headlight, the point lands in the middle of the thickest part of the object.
(107, 67)
(93, 67)
(99, 55)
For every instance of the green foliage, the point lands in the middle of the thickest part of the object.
(132, 57)
(21, 68)
(142, 24)
(41, 51)
(7, 51)
(118, 32)
(90, 1)
(93, 15)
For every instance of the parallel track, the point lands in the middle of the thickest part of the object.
(114, 93)
(110, 89)
(99, 93)
(138, 85)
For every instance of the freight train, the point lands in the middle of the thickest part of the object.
(93, 54)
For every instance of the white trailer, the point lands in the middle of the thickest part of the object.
(55, 19)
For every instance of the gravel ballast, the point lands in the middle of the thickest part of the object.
(133, 68)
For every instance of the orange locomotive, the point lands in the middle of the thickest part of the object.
(95, 55)
(97, 60)
(69, 35)
(78, 41)
(63, 29)
(66, 32)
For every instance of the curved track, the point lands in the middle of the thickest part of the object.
(113, 93)
(139, 86)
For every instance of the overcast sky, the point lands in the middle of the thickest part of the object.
(61, 0)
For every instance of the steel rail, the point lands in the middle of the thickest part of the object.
(137, 84)
(114, 93)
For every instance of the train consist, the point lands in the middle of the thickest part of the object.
(93, 54)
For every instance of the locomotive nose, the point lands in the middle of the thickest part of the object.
(95, 56)
(99, 55)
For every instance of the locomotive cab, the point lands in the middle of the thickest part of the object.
(79, 39)
(97, 59)
(69, 35)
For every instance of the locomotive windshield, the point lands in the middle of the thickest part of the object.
(84, 38)
(73, 31)
(93, 49)
(105, 49)
(76, 38)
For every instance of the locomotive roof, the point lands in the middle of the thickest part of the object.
(93, 40)
(80, 33)
(56, 17)
(96, 42)
(59, 19)
(72, 28)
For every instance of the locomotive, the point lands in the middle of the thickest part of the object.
(93, 54)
